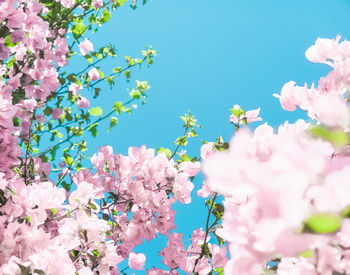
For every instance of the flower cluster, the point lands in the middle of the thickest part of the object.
(176, 256)
(98, 224)
(286, 203)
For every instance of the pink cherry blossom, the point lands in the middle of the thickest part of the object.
(137, 260)
(83, 102)
(94, 74)
(207, 149)
(189, 167)
(97, 3)
(253, 115)
(85, 47)
(67, 3)
(248, 117)
(331, 110)
(56, 113)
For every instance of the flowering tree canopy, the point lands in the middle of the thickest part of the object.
(277, 200)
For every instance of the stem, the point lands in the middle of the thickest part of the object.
(85, 128)
(60, 217)
(69, 167)
(66, 15)
(27, 151)
(207, 228)
(113, 74)
(178, 146)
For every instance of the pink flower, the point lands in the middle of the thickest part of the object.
(94, 74)
(323, 50)
(85, 271)
(137, 261)
(253, 115)
(189, 167)
(249, 116)
(97, 3)
(293, 266)
(67, 3)
(85, 47)
(4, 51)
(207, 149)
(204, 191)
(83, 194)
(16, 19)
(83, 102)
(74, 88)
(331, 110)
(56, 113)
(156, 271)
(219, 257)
(18, 35)
(50, 82)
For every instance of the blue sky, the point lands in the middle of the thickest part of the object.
(211, 55)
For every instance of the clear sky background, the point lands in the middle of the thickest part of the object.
(211, 55)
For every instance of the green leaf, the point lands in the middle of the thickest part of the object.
(105, 217)
(345, 213)
(18, 95)
(113, 122)
(10, 62)
(220, 240)
(78, 30)
(106, 15)
(97, 111)
(24, 269)
(93, 129)
(16, 121)
(117, 70)
(118, 107)
(78, 166)
(92, 206)
(39, 271)
(62, 80)
(72, 78)
(54, 211)
(95, 252)
(193, 133)
(185, 157)
(323, 223)
(338, 138)
(110, 81)
(218, 210)
(166, 151)
(88, 58)
(48, 111)
(98, 55)
(135, 94)
(219, 271)
(65, 185)
(44, 158)
(205, 249)
(53, 153)
(9, 43)
(182, 141)
(68, 159)
(307, 253)
(101, 73)
(236, 112)
(121, 2)
(97, 92)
